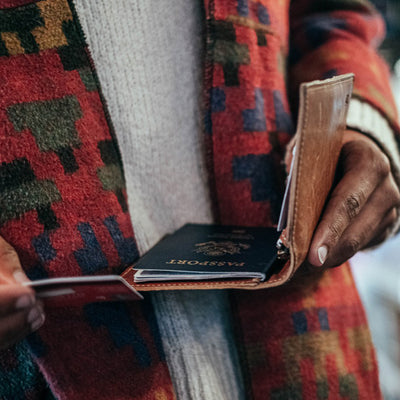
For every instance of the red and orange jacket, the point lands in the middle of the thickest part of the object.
(63, 200)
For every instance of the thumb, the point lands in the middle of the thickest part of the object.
(10, 266)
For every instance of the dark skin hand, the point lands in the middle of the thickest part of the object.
(362, 207)
(20, 312)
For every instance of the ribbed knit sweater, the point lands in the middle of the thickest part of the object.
(152, 81)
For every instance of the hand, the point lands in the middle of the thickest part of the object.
(362, 207)
(20, 312)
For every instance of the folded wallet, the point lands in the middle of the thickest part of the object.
(321, 123)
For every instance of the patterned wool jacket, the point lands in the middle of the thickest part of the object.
(63, 199)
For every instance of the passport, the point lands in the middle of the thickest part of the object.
(204, 252)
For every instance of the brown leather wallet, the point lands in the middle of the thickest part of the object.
(321, 123)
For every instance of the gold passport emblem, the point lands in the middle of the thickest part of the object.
(220, 248)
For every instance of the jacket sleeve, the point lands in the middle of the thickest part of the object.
(332, 37)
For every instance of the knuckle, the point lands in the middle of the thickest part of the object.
(8, 253)
(352, 205)
(382, 166)
(335, 230)
(390, 192)
(354, 149)
(392, 218)
(351, 247)
(396, 198)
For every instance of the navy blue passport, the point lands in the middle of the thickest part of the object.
(200, 252)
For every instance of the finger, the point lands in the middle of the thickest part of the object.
(345, 204)
(15, 298)
(374, 217)
(387, 226)
(365, 155)
(10, 266)
(362, 176)
(16, 326)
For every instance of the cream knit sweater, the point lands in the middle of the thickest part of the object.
(148, 58)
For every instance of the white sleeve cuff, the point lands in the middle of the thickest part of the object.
(366, 119)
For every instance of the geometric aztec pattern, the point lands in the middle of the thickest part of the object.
(300, 342)
(246, 163)
(321, 351)
(61, 176)
(53, 113)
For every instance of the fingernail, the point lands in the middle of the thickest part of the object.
(19, 276)
(24, 301)
(322, 254)
(37, 323)
(35, 314)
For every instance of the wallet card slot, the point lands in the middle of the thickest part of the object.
(283, 216)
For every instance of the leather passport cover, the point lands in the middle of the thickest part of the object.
(321, 124)
(320, 127)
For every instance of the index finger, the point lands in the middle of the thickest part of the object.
(344, 205)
